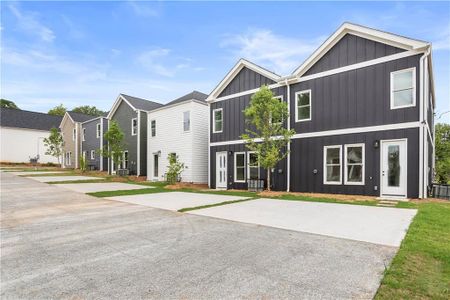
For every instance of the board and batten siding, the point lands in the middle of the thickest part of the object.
(191, 146)
(143, 142)
(92, 143)
(245, 80)
(69, 143)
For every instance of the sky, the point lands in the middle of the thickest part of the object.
(86, 53)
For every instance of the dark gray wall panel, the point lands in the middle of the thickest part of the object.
(91, 143)
(143, 142)
(307, 155)
(349, 50)
(355, 98)
(245, 80)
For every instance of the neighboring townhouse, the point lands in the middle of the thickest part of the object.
(179, 128)
(71, 132)
(131, 115)
(92, 141)
(362, 106)
(22, 135)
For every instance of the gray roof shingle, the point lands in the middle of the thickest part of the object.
(79, 117)
(194, 95)
(141, 104)
(28, 119)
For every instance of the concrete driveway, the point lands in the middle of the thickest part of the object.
(57, 243)
(101, 187)
(63, 178)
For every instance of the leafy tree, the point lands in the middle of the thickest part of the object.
(59, 110)
(88, 110)
(174, 169)
(54, 144)
(115, 148)
(8, 104)
(442, 148)
(269, 138)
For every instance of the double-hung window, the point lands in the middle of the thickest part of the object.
(239, 166)
(134, 126)
(125, 160)
(92, 154)
(74, 134)
(303, 106)
(84, 134)
(332, 158)
(354, 164)
(217, 120)
(153, 128)
(99, 130)
(403, 88)
(186, 121)
(252, 166)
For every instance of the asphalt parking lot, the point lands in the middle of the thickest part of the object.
(57, 243)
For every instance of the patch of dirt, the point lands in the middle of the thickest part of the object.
(430, 200)
(186, 185)
(350, 198)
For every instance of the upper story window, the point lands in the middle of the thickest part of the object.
(186, 121)
(332, 164)
(354, 164)
(74, 134)
(134, 126)
(84, 134)
(303, 106)
(153, 127)
(217, 120)
(403, 88)
(99, 130)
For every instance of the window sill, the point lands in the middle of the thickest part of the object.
(333, 183)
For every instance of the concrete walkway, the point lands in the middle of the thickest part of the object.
(175, 201)
(101, 187)
(36, 172)
(63, 178)
(379, 225)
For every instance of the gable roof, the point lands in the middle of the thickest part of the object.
(362, 31)
(135, 103)
(235, 70)
(79, 117)
(194, 95)
(28, 119)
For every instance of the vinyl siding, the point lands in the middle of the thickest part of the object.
(69, 143)
(93, 143)
(245, 80)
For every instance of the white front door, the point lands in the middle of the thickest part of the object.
(221, 170)
(394, 168)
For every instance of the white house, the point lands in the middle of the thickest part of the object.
(22, 135)
(180, 127)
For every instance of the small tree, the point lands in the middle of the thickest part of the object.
(442, 153)
(54, 144)
(88, 110)
(115, 145)
(59, 110)
(83, 163)
(174, 169)
(269, 138)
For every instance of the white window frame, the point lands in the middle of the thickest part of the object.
(325, 165)
(92, 154)
(98, 130)
(74, 134)
(69, 158)
(214, 120)
(84, 134)
(280, 97)
(413, 88)
(296, 105)
(123, 159)
(363, 162)
(151, 131)
(247, 177)
(133, 132)
(235, 166)
(184, 120)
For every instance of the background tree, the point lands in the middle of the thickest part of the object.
(54, 144)
(59, 110)
(269, 138)
(114, 137)
(174, 169)
(88, 110)
(8, 104)
(442, 144)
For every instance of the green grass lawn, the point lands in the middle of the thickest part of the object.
(421, 268)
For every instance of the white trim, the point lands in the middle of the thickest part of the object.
(65, 118)
(83, 134)
(288, 125)
(123, 159)
(368, 33)
(310, 105)
(98, 132)
(243, 93)
(138, 163)
(214, 120)
(363, 162)
(109, 159)
(165, 106)
(151, 130)
(325, 165)
(235, 167)
(406, 167)
(76, 145)
(413, 88)
(92, 154)
(101, 144)
(209, 148)
(247, 177)
(394, 126)
(116, 104)
(132, 126)
(234, 71)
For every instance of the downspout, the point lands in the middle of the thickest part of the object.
(138, 163)
(101, 143)
(288, 169)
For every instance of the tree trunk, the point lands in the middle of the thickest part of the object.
(268, 179)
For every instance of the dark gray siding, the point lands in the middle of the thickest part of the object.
(349, 50)
(233, 116)
(123, 116)
(91, 143)
(307, 156)
(105, 144)
(278, 177)
(245, 80)
(143, 142)
(355, 98)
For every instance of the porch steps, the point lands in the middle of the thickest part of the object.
(387, 203)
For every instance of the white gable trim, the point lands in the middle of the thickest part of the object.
(234, 71)
(65, 118)
(364, 32)
(116, 104)
(176, 104)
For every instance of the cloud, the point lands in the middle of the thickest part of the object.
(143, 9)
(73, 31)
(152, 61)
(279, 53)
(27, 22)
